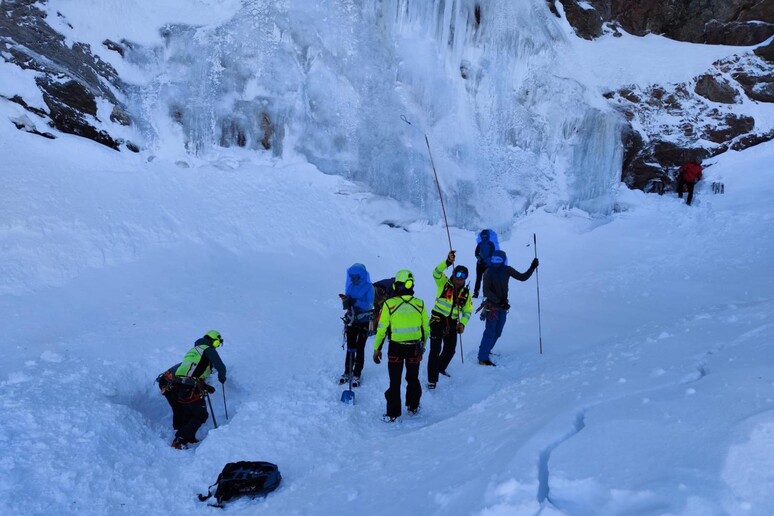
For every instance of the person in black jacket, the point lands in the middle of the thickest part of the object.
(496, 301)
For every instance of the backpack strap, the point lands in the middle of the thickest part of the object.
(203, 498)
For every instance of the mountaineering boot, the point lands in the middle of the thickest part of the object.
(344, 379)
(179, 444)
(486, 362)
(431, 385)
(388, 419)
(413, 411)
(355, 381)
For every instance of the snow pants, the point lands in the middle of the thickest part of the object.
(397, 354)
(194, 413)
(495, 321)
(178, 411)
(443, 330)
(357, 335)
(480, 268)
(688, 186)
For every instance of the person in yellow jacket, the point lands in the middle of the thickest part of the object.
(191, 386)
(450, 315)
(404, 318)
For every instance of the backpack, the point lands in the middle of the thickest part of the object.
(244, 478)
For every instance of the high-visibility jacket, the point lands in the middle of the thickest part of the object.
(445, 302)
(406, 318)
(197, 363)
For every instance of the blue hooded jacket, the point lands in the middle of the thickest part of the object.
(485, 247)
(359, 292)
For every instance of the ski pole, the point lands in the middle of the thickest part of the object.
(214, 421)
(225, 407)
(537, 282)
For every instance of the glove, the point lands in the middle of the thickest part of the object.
(450, 258)
(378, 356)
(505, 306)
(422, 349)
(209, 388)
(342, 297)
(534, 264)
(221, 379)
(460, 328)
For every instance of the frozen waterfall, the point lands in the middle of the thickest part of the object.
(509, 129)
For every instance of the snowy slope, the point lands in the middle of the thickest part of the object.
(653, 394)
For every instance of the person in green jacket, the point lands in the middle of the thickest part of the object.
(452, 310)
(404, 318)
(191, 386)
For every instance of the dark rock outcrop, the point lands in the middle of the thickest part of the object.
(766, 52)
(70, 78)
(677, 123)
(721, 22)
(586, 21)
(716, 89)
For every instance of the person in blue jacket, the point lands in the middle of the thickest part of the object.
(486, 245)
(358, 300)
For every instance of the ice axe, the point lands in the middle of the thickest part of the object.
(348, 396)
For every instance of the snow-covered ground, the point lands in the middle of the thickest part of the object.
(654, 393)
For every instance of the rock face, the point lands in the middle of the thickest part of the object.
(717, 22)
(70, 78)
(671, 124)
(680, 122)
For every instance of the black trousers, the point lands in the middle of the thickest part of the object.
(178, 411)
(689, 186)
(193, 413)
(397, 355)
(480, 268)
(443, 330)
(357, 335)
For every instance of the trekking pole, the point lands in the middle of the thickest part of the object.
(225, 407)
(437, 184)
(214, 421)
(537, 282)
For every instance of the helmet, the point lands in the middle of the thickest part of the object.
(405, 277)
(216, 337)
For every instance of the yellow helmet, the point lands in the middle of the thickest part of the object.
(404, 276)
(217, 338)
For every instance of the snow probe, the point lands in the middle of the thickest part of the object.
(537, 282)
(348, 396)
(437, 184)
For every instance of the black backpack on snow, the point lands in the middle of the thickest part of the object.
(244, 478)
